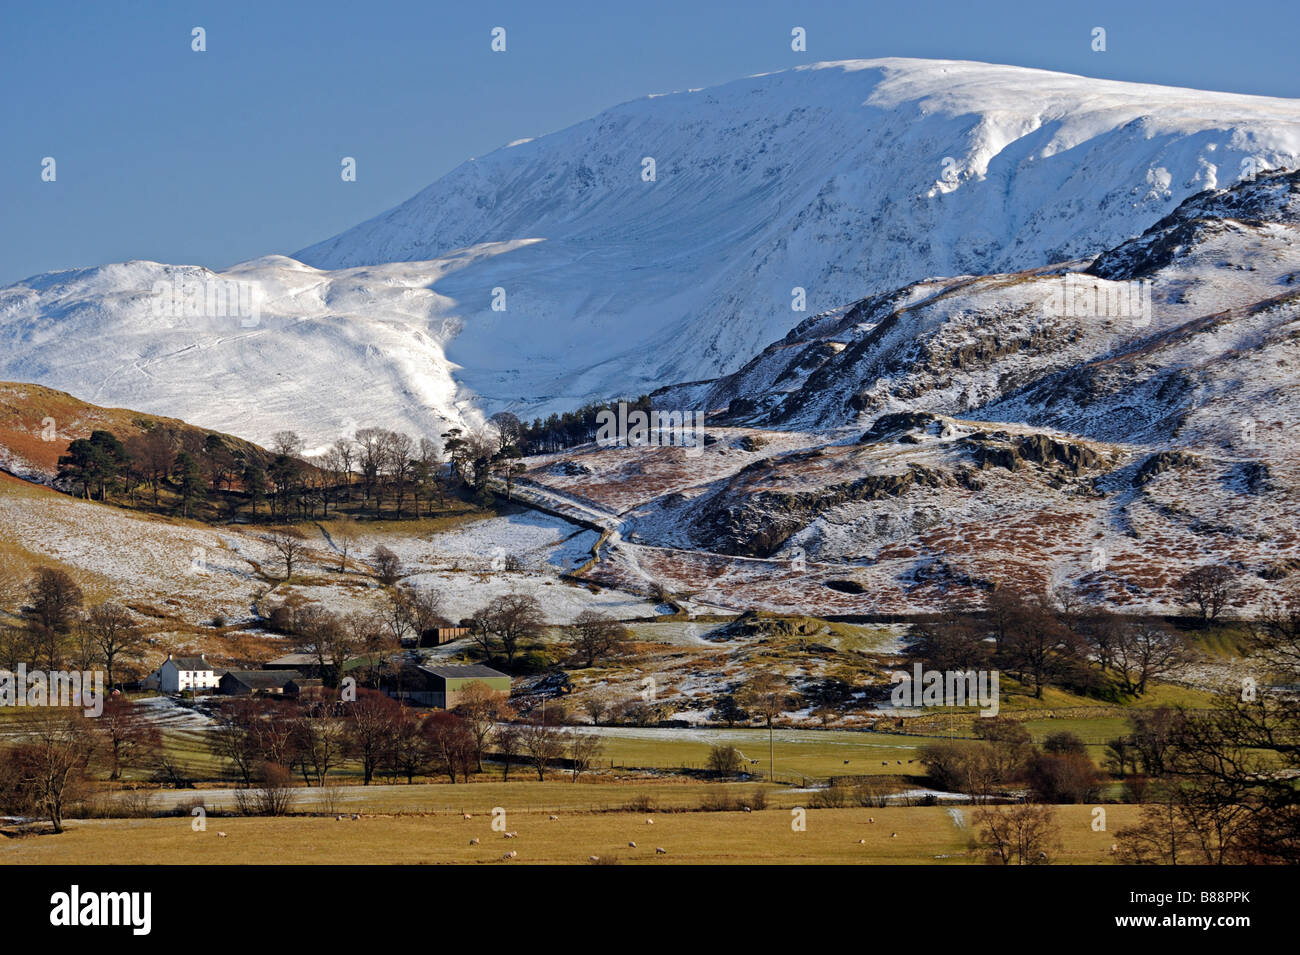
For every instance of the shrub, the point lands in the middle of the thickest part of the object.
(724, 760)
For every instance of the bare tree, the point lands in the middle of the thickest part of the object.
(583, 750)
(115, 636)
(347, 542)
(370, 458)
(290, 546)
(509, 744)
(399, 454)
(130, 738)
(287, 443)
(1147, 651)
(510, 620)
(507, 428)
(388, 568)
(372, 720)
(543, 744)
(1277, 635)
(419, 607)
(273, 795)
(1210, 589)
(450, 742)
(482, 708)
(1022, 834)
(597, 635)
(49, 764)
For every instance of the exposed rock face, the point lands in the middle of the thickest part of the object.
(758, 524)
(1000, 449)
(1160, 462)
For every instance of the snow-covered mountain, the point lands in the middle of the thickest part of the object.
(842, 179)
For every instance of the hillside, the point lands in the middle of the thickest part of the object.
(843, 179)
(962, 433)
(37, 424)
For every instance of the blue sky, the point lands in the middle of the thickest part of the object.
(212, 158)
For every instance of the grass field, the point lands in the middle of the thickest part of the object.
(925, 835)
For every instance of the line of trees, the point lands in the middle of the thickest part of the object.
(376, 466)
(1046, 640)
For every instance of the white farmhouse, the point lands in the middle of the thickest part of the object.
(186, 673)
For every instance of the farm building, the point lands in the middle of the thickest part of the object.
(257, 682)
(177, 674)
(308, 664)
(440, 687)
(437, 636)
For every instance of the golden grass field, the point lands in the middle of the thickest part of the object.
(925, 835)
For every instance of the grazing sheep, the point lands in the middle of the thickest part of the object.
(884, 762)
(554, 818)
(593, 858)
(871, 818)
(221, 835)
(893, 835)
(338, 818)
(862, 842)
(355, 817)
(510, 855)
(467, 816)
(660, 851)
(846, 762)
(649, 821)
(510, 835)
(474, 841)
(631, 845)
(747, 809)
(899, 761)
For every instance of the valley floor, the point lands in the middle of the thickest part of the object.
(908, 835)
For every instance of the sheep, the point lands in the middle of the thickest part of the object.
(862, 842)
(631, 845)
(221, 835)
(467, 816)
(846, 762)
(554, 818)
(338, 818)
(593, 858)
(355, 817)
(649, 821)
(1114, 848)
(884, 762)
(510, 855)
(747, 809)
(871, 819)
(509, 835)
(893, 835)
(660, 851)
(474, 841)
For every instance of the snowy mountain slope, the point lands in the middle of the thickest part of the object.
(326, 353)
(831, 178)
(961, 432)
(840, 178)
